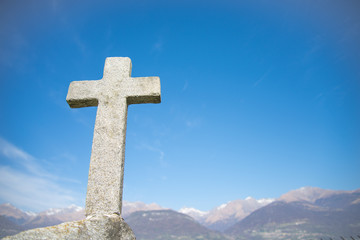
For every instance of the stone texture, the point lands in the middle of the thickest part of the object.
(112, 94)
(93, 227)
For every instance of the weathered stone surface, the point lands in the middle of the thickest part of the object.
(112, 94)
(93, 227)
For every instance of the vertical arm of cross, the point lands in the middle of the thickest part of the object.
(112, 94)
(144, 90)
(83, 94)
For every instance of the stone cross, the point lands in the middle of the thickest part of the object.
(112, 95)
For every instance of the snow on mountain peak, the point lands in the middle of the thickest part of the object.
(75, 208)
(52, 211)
(222, 206)
(192, 211)
(261, 201)
(196, 214)
(130, 207)
(31, 214)
(70, 209)
(265, 200)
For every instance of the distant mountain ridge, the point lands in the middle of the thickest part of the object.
(224, 216)
(169, 225)
(305, 213)
(130, 207)
(314, 214)
(53, 216)
(50, 217)
(310, 194)
(14, 214)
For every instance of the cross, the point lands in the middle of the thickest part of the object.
(112, 94)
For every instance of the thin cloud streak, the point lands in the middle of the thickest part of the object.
(32, 192)
(264, 76)
(28, 162)
(161, 153)
(11, 151)
(24, 183)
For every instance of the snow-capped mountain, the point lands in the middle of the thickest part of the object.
(14, 214)
(67, 214)
(226, 214)
(198, 215)
(70, 209)
(238, 216)
(130, 207)
(53, 216)
(308, 216)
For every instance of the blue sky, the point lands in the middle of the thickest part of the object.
(258, 98)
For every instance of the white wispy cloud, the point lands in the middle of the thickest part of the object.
(80, 43)
(262, 78)
(26, 184)
(10, 151)
(32, 192)
(23, 159)
(156, 150)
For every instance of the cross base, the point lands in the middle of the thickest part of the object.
(100, 227)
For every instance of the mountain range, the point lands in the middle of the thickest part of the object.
(226, 215)
(305, 213)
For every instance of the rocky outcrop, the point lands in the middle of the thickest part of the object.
(93, 227)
